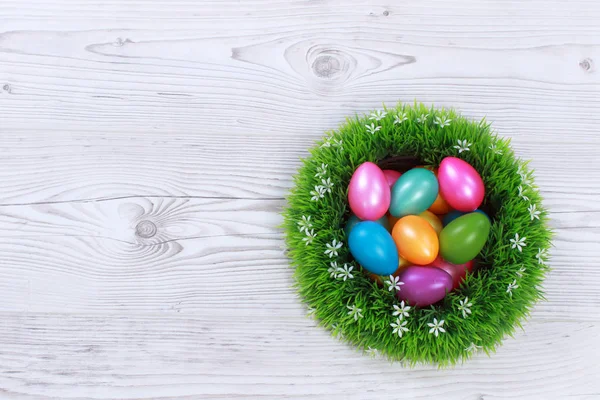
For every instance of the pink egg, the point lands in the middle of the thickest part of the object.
(460, 184)
(368, 192)
(391, 176)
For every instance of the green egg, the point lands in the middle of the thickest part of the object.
(462, 239)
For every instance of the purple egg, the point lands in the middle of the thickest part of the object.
(424, 286)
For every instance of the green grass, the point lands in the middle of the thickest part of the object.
(495, 312)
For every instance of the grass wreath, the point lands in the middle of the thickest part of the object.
(489, 304)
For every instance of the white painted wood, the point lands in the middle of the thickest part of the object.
(146, 147)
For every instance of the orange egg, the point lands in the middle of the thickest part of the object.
(416, 240)
(433, 220)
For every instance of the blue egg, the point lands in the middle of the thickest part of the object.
(414, 192)
(452, 215)
(353, 220)
(373, 247)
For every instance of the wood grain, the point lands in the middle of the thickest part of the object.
(146, 148)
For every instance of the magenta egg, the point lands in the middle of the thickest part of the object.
(460, 184)
(423, 286)
(391, 176)
(368, 192)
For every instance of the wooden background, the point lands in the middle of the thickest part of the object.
(145, 150)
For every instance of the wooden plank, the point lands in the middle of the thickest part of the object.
(231, 356)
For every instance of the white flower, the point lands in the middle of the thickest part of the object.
(541, 255)
(321, 171)
(345, 272)
(422, 118)
(338, 143)
(522, 171)
(318, 193)
(436, 327)
(521, 195)
(511, 286)
(377, 115)
(304, 224)
(464, 307)
(399, 326)
(310, 311)
(462, 145)
(371, 351)
(400, 118)
(518, 243)
(332, 249)
(534, 212)
(310, 236)
(401, 311)
(472, 347)
(394, 283)
(520, 272)
(354, 312)
(327, 184)
(495, 149)
(327, 142)
(333, 269)
(442, 121)
(372, 128)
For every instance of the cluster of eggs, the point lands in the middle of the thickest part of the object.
(396, 227)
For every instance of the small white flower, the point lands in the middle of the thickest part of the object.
(472, 347)
(436, 327)
(495, 149)
(333, 270)
(345, 272)
(400, 118)
(394, 283)
(518, 242)
(371, 352)
(462, 145)
(522, 171)
(354, 312)
(332, 249)
(310, 311)
(321, 171)
(522, 195)
(401, 311)
(422, 118)
(372, 128)
(511, 286)
(520, 272)
(304, 224)
(310, 236)
(318, 193)
(534, 212)
(377, 115)
(464, 307)
(541, 255)
(327, 142)
(338, 143)
(399, 326)
(442, 121)
(327, 184)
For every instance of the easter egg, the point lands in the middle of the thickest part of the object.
(423, 286)
(353, 220)
(433, 220)
(452, 215)
(373, 247)
(416, 240)
(391, 176)
(414, 192)
(462, 239)
(456, 271)
(460, 184)
(369, 192)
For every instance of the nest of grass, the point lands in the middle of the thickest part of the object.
(498, 295)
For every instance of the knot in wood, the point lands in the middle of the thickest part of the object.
(587, 65)
(326, 66)
(145, 229)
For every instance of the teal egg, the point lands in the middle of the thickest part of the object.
(414, 192)
(353, 220)
(373, 247)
